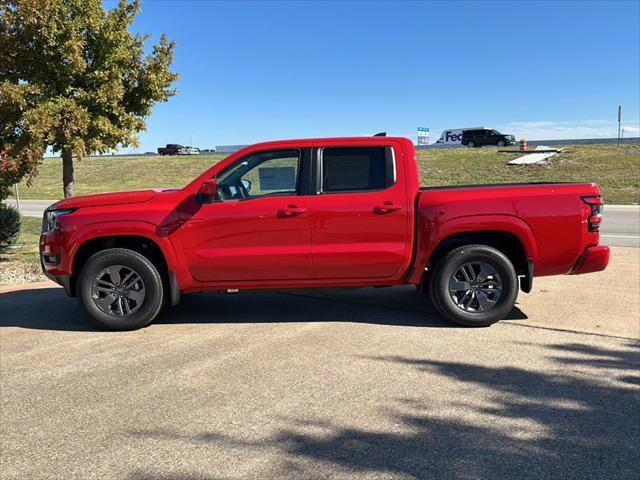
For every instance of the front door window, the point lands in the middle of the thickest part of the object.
(273, 173)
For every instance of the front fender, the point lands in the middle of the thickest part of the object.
(432, 233)
(143, 229)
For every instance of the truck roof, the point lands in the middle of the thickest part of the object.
(320, 141)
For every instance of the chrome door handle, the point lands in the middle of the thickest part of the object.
(386, 207)
(291, 211)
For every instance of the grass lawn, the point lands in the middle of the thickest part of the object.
(616, 169)
(112, 174)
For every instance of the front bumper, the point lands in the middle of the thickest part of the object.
(594, 259)
(54, 261)
(63, 280)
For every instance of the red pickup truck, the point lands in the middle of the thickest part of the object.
(343, 212)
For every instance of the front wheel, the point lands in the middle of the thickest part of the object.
(501, 143)
(474, 286)
(471, 144)
(120, 289)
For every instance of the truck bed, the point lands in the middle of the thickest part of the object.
(552, 215)
(495, 185)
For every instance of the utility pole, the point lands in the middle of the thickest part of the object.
(17, 197)
(619, 120)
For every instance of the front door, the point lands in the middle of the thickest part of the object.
(259, 229)
(360, 218)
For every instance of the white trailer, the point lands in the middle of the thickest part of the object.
(453, 136)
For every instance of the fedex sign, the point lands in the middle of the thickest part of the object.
(453, 137)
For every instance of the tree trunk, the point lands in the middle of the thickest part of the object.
(67, 173)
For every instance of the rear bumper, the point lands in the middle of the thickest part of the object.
(594, 259)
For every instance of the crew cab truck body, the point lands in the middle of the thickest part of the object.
(172, 149)
(344, 212)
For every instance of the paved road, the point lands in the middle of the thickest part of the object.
(31, 208)
(360, 385)
(621, 224)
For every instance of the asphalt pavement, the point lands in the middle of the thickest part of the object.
(369, 384)
(31, 208)
(620, 226)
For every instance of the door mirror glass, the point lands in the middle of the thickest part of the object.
(208, 191)
(246, 184)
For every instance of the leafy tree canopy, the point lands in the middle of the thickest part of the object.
(73, 78)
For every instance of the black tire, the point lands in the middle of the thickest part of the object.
(439, 283)
(501, 143)
(154, 291)
(471, 144)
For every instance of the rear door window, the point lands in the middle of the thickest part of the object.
(356, 169)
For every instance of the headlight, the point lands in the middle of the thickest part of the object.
(50, 219)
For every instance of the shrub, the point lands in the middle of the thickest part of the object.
(10, 224)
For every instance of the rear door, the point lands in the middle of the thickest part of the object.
(360, 215)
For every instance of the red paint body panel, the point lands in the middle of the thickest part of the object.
(594, 259)
(339, 239)
(354, 237)
(248, 241)
(102, 199)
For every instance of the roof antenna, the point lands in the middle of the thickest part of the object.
(381, 134)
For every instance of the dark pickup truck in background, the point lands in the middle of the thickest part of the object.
(175, 149)
(172, 149)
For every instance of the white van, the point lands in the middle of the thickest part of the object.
(454, 136)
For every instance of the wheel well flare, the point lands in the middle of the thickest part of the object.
(140, 244)
(506, 242)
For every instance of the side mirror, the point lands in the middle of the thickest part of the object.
(208, 191)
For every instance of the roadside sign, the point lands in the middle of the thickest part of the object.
(423, 136)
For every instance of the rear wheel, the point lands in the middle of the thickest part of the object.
(474, 285)
(120, 289)
(471, 144)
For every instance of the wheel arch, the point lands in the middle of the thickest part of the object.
(159, 250)
(505, 242)
(509, 234)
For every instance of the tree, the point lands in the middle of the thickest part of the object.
(73, 78)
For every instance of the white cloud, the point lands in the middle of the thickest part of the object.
(549, 130)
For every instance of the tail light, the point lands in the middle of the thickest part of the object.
(595, 217)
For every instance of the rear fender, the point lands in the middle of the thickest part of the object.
(431, 233)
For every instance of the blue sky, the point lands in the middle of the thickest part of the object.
(254, 71)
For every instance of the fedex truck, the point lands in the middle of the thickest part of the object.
(454, 136)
